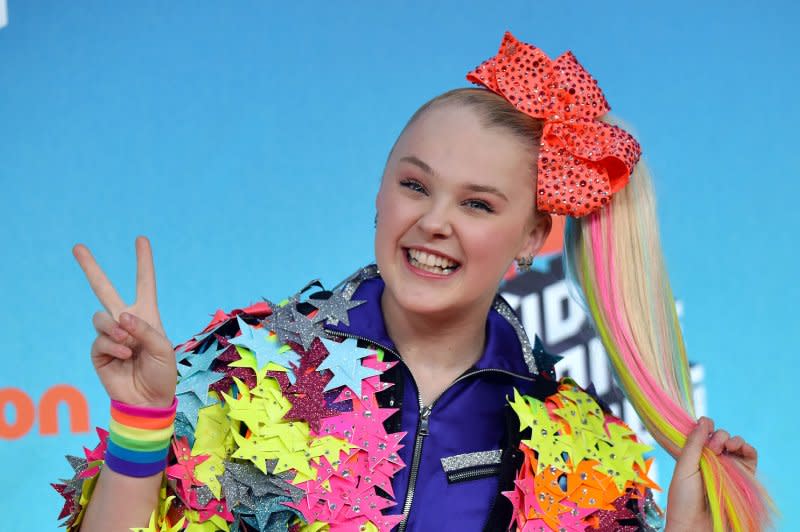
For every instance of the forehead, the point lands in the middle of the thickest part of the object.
(452, 140)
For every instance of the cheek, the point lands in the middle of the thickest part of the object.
(492, 245)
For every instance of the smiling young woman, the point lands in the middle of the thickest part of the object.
(410, 396)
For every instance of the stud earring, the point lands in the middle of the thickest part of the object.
(524, 263)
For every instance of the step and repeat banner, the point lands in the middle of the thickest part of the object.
(247, 141)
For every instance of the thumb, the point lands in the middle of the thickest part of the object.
(689, 460)
(150, 339)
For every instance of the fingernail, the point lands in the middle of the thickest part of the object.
(119, 333)
(126, 319)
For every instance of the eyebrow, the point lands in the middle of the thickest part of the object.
(425, 167)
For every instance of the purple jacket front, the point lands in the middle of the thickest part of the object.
(454, 447)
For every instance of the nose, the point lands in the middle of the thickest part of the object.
(435, 222)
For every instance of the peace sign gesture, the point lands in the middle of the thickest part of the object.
(131, 354)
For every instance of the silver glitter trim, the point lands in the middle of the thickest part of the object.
(349, 286)
(502, 306)
(476, 459)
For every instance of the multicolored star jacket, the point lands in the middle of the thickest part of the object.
(301, 416)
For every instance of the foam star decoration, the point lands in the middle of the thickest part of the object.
(581, 412)
(99, 452)
(188, 408)
(344, 361)
(183, 470)
(214, 524)
(200, 362)
(308, 401)
(217, 508)
(622, 435)
(215, 440)
(545, 361)
(270, 437)
(334, 309)
(586, 429)
(198, 385)
(617, 459)
(296, 327)
(570, 520)
(246, 374)
(545, 438)
(70, 504)
(523, 411)
(590, 488)
(254, 411)
(272, 514)
(339, 498)
(620, 518)
(267, 350)
(568, 496)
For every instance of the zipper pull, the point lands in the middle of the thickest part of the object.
(424, 415)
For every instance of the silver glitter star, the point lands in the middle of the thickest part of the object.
(204, 495)
(334, 309)
(296, 328)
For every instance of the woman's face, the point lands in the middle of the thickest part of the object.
(455, 208)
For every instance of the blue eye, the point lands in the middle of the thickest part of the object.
(480, 205)
(413, 185)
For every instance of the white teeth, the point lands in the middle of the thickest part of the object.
(431, 263)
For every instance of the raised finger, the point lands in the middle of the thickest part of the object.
(145, 272)
(717, 441)
(105, 324)
(104, 345)
(100, 284)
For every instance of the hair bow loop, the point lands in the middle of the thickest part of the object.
(576, 148)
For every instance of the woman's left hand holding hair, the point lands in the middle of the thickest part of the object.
(687, 509)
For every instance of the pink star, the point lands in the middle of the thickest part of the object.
(183, 471)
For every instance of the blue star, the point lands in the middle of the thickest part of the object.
(344, 360)
(264, 348)
(198, 385)
(188, 407)
(270, 514)
(200, 362)
(184, 428)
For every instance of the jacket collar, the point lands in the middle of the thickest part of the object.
(507, 345)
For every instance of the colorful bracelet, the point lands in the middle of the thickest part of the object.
(138, 441)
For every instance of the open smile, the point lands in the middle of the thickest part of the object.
(431, 263)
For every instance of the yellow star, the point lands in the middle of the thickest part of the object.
(330, 447)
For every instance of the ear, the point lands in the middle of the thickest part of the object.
(535, 238)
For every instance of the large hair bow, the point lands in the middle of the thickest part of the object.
(582, 161)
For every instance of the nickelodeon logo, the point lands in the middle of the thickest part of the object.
(25, 412)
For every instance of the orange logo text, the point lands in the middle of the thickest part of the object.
(18, 406)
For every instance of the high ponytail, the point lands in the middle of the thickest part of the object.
(616, 271)
(616, 268)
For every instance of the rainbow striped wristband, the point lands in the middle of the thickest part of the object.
(139, 436)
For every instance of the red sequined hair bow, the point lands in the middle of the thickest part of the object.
(582, 161)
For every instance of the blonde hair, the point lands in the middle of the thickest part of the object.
(617, 272)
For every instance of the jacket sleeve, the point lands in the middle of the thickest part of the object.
(184, 503)
(582, 467)
(278, 428)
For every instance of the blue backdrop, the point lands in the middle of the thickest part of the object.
(231, 135)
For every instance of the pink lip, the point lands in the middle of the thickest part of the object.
(424, 273)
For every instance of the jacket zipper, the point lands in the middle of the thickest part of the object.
(424, 417)
(477, 472)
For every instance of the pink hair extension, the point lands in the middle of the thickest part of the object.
(656, 384)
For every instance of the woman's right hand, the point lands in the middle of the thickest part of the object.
(132, 355)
